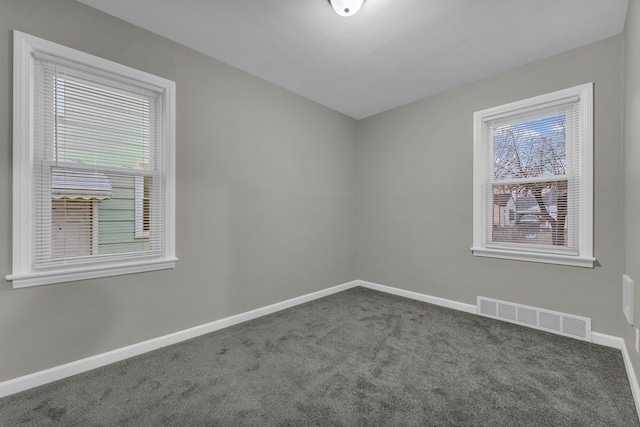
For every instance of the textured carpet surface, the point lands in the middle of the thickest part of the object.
(357, 358)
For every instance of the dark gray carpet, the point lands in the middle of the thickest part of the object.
(357, 358)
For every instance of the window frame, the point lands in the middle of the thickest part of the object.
(584, 258)
(24, 274)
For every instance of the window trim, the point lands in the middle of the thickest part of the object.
(25, 47)
(584, 95)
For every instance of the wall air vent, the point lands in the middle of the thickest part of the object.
(537, 318)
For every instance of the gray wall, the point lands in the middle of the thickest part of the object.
(415, 194)
(631, 169)
(266, 184)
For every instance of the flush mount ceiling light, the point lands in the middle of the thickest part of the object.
(346, 7)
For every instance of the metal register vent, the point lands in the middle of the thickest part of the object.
(546, 320)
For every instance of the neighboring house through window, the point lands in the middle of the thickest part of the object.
(533, 171)
(74, 211)
(93, 166)
(142, 206)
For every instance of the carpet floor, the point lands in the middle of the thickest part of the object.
(356, 358)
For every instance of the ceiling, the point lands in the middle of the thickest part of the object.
(391, 53)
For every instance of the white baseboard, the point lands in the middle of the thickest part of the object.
(468, 308)
(617, 342)
(26, 382)
(633, 380)
(607, 340)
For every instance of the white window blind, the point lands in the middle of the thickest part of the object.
(533, 179)
(86, 125)
(533, 171)
(93, 166)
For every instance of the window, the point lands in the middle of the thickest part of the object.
(94, 152)
(533, 171)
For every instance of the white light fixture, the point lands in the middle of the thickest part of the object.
(346, 7)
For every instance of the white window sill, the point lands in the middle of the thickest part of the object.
(547, 258)
(71, 274)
